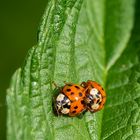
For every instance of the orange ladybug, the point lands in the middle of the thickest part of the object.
(95, 96)
(70, 100)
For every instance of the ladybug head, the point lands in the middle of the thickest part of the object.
(63, 104)
(93, 100)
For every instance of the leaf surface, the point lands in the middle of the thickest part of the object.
(80, 40)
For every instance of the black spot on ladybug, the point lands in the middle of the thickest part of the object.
(82, 102)
(91, 102)
(77, 87)
(72, 93)
(92, 86)
(63, 101)
(72, 101)
(75, 107)
(80, 94)
(68, 89)
(98, 101)
(97, 95)
(89, 96)
(102, 89)
(73, 111)
(66, 106)
(57, 101)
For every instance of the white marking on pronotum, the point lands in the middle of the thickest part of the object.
(95, 106)
(93, 91)
(60, 97)
(65, 110)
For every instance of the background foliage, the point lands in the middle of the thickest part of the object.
(80, 40)
(18, 32)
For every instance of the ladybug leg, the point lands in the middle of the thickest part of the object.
(68, 83)
(80, 116)
(54, 84)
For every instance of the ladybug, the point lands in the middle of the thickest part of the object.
(95, 96)
(70, 100)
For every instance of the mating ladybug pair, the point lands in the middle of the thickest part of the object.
(74, 99)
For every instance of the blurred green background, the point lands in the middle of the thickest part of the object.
(19, 21)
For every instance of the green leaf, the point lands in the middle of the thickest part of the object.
(80, 40)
